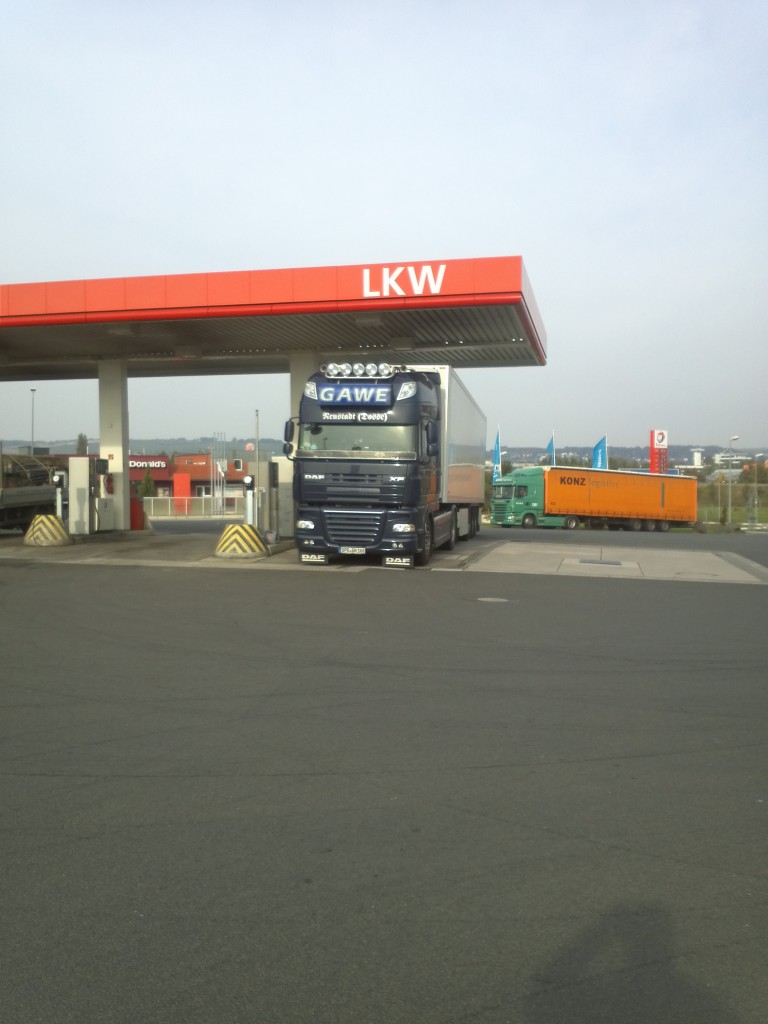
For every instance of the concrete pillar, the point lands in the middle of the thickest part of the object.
(113, 434)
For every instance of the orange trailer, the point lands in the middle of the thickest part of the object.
(555, 496)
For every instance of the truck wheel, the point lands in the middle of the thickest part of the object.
(571, 522)
(528, 521)
(649, 525)
(634, 524)
(662, 526)
(423, 556)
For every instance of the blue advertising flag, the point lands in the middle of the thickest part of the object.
(600, 454)
(551, 449)
(496, 472)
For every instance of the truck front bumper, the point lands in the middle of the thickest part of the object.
(357, 532)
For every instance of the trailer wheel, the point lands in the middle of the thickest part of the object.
(423, 556)
(649, 525)
(634, 524)
(528, 521)
(662, 526)
(571, 522)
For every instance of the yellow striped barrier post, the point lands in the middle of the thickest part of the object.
(241, 540)
(47, 532)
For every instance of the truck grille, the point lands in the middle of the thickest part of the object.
(365, 488)
(354, 527)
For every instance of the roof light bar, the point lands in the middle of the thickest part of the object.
(376, 370)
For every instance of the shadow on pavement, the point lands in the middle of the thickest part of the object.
(623, 970)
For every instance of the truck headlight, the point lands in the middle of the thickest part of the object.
(404, 528)
(304, 524)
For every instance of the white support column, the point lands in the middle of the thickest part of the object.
(113, 434)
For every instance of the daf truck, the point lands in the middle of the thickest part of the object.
(388, 460)
(564, 497)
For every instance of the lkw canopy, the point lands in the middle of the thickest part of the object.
(472, 313)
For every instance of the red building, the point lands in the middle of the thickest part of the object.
(188, 475)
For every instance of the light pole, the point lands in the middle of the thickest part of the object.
(730, 467)
(256, 474)
(32, 441)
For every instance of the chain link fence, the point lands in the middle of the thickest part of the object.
(740, 503)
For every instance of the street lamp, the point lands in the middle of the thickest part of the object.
(730, 468)
(258, 497)
(32, 441)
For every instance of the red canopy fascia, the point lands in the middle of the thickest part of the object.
(489, 281)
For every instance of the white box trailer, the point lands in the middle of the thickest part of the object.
(463, 429)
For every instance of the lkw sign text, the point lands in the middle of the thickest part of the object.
(390, 281)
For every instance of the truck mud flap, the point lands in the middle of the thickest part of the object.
(313, 558)
(397, 561)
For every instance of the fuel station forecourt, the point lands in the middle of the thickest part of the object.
(477, 312)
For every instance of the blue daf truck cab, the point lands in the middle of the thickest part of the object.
(379, 468)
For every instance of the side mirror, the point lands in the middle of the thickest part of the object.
(287, 449)
(288, 433)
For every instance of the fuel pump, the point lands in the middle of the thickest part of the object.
(104, 503)
(90, 507)
(249, 483)
(81, 514)
(60, 481)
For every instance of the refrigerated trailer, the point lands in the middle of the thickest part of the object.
(565, 497)
(388, 461)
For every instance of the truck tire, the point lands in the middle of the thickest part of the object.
(528, 521)
(571, 522)
(662, 526)
(649, 525)
(635, 525)
(423, 556)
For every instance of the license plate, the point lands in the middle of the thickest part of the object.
(351, 551)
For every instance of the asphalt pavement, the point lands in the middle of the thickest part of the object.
(733, 557)
(246, 793)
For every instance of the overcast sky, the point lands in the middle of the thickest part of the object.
(620, 148)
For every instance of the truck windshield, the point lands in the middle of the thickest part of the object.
(360, 440)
